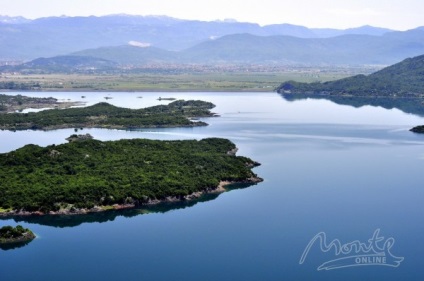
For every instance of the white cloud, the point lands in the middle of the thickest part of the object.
(139, 44)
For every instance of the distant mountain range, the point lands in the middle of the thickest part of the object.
(404, 79)
(251, 49)
(346, 49)
(26, 39)
(139, 40)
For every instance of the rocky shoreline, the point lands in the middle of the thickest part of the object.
(131, 203)
(110, 127)
(119, 127)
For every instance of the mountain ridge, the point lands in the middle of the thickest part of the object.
(348, 49)
(238, 49)
(23, 39)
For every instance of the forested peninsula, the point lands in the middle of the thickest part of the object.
(401, 80)
(91, 175)
(104, 115)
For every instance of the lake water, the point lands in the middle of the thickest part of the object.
(333, 169)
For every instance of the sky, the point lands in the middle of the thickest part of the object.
(394, 14)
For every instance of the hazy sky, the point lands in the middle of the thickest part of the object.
(395, 14)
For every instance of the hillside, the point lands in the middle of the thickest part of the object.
(404, 79)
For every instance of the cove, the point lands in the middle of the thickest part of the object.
(328, 167)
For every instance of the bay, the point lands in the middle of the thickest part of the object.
(328, 168)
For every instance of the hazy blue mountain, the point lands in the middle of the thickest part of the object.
(362, 30)
(63, 64)
(247, 48)
(53, 36)
(368, 30)
(287, 29)
(131, 55)
(346, 49)
(46, 37)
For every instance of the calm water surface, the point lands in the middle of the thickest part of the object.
(328, 168)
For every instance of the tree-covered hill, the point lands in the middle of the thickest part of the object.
(93, 173)
(104, 115)
(404, 79)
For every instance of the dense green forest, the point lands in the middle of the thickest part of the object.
(93, 173)
(404, 79)
(104, 115)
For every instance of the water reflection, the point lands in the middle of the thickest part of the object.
(407, 105)
(62, 221)
(12, 246)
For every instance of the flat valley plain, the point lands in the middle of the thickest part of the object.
(249, 80)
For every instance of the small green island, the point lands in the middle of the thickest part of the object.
(418, 129)
(13, 237)
(89, 175)
(105, 115)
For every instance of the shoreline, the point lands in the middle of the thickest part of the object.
(167, 90)
(97, 209)
(110, 127)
